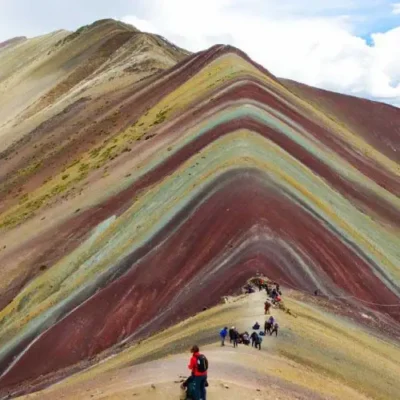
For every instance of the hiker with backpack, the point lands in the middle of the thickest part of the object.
(199, 366)
(223, 334)
(275, 329)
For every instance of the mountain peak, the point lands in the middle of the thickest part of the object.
(109, 23)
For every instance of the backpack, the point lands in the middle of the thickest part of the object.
(202, 363)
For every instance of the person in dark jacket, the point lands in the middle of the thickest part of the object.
(256, 326)
(231, 334)
(235, 337)
(267, 327)
(252, 337)
(189, 388)
(256, 340)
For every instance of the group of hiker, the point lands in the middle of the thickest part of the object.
(194, 387)
(270, 326)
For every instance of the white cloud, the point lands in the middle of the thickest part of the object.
(293, 39)
(396, 8)
(142, 24)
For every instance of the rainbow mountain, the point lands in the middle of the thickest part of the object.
(140, 183)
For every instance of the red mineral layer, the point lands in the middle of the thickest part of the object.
(126, 106)
(377, 123)
(132, 105)
(55, 246)
(250, 89)
(239, 201)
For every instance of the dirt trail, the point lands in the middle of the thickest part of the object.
(153, 369)
(233, 375)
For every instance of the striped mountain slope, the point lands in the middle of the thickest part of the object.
(137, 194)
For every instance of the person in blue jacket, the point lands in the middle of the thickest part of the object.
(223, 334)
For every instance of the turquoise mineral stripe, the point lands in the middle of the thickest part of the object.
(118, 236)
(124, 235)
(292, 130)
(118, 239)
(341, 206)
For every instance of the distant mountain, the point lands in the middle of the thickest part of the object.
(41, 76)
(140, 183)
(12, 42)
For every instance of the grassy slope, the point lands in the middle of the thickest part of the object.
(317, 354)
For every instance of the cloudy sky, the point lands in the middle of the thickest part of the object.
(350, 46)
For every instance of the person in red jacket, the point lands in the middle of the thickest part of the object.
(199, 365)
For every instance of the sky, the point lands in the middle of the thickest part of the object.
(349, 46)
